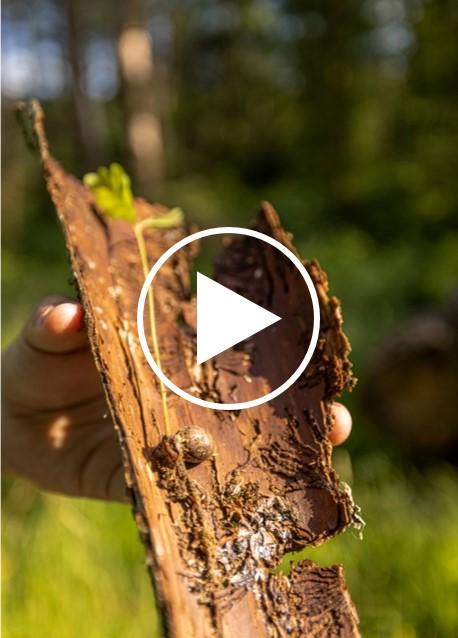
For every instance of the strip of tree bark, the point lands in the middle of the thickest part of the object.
(214, 531)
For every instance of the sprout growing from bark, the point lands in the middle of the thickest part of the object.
(111, 187)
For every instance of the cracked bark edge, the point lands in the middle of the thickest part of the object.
(213, 532)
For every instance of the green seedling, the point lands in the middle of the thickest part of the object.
(113, 195)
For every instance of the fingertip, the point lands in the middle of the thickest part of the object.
(57, 325)
(342, 424)
(65, 318)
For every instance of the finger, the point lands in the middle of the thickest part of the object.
(342, 424)
(57, 326)
(97, 459)
(50, 365)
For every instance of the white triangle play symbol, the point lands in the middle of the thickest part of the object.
(225, 318)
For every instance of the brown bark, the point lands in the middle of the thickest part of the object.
(214, 531)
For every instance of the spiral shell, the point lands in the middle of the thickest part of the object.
(194, 444)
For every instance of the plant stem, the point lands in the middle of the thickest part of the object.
(138, 228)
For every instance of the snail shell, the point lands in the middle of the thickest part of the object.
(194, 443)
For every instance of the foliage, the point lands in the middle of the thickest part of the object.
(112, 192)
(113, 195)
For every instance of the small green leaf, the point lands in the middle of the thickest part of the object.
(171, 219)
(112, 192)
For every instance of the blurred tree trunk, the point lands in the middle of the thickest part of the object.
(326, 60)
(142, 125)
(88, 118)
(411, 382)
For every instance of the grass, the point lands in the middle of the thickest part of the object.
(72, 568)
(403, 574)
(75, 568)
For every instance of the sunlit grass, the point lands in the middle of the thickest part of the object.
(403, 573)
(75, 568)
(72, 568)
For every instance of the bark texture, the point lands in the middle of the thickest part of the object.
(214, 531)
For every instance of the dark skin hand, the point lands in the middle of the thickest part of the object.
(56, 426)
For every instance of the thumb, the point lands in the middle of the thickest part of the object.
(56, 326)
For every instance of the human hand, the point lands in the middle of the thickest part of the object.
(57, 431)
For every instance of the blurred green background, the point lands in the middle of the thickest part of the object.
(344, 115)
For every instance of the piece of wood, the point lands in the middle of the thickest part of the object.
(214, 531)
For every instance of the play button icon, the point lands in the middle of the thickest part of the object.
(225, 318)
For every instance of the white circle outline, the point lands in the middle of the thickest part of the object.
(228, 230)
